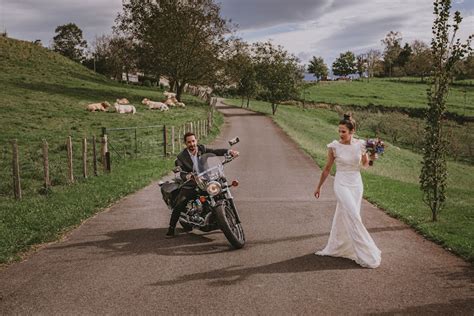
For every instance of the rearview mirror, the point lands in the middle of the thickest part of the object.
(234, 141)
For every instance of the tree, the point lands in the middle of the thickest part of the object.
(278, 73)
(345, 64)
(361, 64)
(318, 68)
(420, 61)
(446, 51)
(465, 68)
(240, 69)
(392, 50)
(184, 39)
(373, 57)
(404, 56)
(69, 42)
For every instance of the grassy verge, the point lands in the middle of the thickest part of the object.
(42, 218)
(392, 184)
(388, 93)
(43, 97)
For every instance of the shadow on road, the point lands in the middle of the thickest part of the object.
(236, 274)
(152, 241)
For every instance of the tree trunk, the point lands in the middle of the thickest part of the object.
(242, 103)
(274, 108)
(248, 102)
(179, 89)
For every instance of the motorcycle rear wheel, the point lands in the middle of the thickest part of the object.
(232, 230)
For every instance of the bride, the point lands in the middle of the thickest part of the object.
(348, 238)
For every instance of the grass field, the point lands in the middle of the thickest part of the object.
(392, 183)
(388, 93)
(43, 97)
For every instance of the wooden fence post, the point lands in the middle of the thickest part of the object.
(108, 163)
(164, 140)
(84, 158)
(69, 159)
(47, 181)
(136, 144)
(104, 150)
(16, 170)
(94, 155)
(173, 139)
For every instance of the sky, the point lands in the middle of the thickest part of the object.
(305, 28)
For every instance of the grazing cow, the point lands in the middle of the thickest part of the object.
(123, 101)
(169, 94)
(155, 105)
(102, 106)
(169, 102)
(125, 108)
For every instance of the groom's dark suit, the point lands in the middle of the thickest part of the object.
(187, 192)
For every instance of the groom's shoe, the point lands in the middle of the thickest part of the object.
(170, 233)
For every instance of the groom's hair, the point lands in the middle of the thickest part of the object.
(348, 121)
(188, 134)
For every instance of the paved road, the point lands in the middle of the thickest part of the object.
(120, 262)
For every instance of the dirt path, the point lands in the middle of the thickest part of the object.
(120, 262)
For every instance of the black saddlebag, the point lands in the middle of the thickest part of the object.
(169, 191)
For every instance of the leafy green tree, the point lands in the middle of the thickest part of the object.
(446, 51)
(373, 57)
(278, 73)
(465, 68)
(318, 68)
(69, 42)
(345, 64)
(184, 39)
(404, 56)
(240, 69)
(392, 50)
(361, 64)
(420, 62)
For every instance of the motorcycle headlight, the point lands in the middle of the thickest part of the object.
(213, 188)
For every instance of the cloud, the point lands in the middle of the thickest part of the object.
(30, 19)
(306, 28)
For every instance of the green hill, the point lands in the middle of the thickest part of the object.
(44, 95)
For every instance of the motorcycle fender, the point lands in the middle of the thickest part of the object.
(234, 209)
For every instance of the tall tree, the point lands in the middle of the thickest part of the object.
(392, 49)
(446, 51)
(420, 62)
(318, 68)
(69, 42)
(373, 57)
(185, 38)
(345, 64)
(278, 73)
(240, 69)
(361, 64)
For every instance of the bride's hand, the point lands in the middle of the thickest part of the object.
(317, 193)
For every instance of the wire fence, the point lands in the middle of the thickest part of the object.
(32, 168)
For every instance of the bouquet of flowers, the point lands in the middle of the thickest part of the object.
(374, 147)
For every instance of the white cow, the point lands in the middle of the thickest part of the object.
(123, 101)
(124, 108)
(155, 105)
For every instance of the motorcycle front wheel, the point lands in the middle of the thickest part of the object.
(233, 231)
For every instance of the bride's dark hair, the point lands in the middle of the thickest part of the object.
(348, 121)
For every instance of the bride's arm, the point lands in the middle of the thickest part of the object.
(325, 173)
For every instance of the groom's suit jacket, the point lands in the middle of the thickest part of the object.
(184, 160)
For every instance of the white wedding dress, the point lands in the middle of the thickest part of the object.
(349, 238)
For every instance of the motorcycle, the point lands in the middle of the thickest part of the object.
(214, 207)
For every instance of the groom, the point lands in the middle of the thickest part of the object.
(187, 160)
